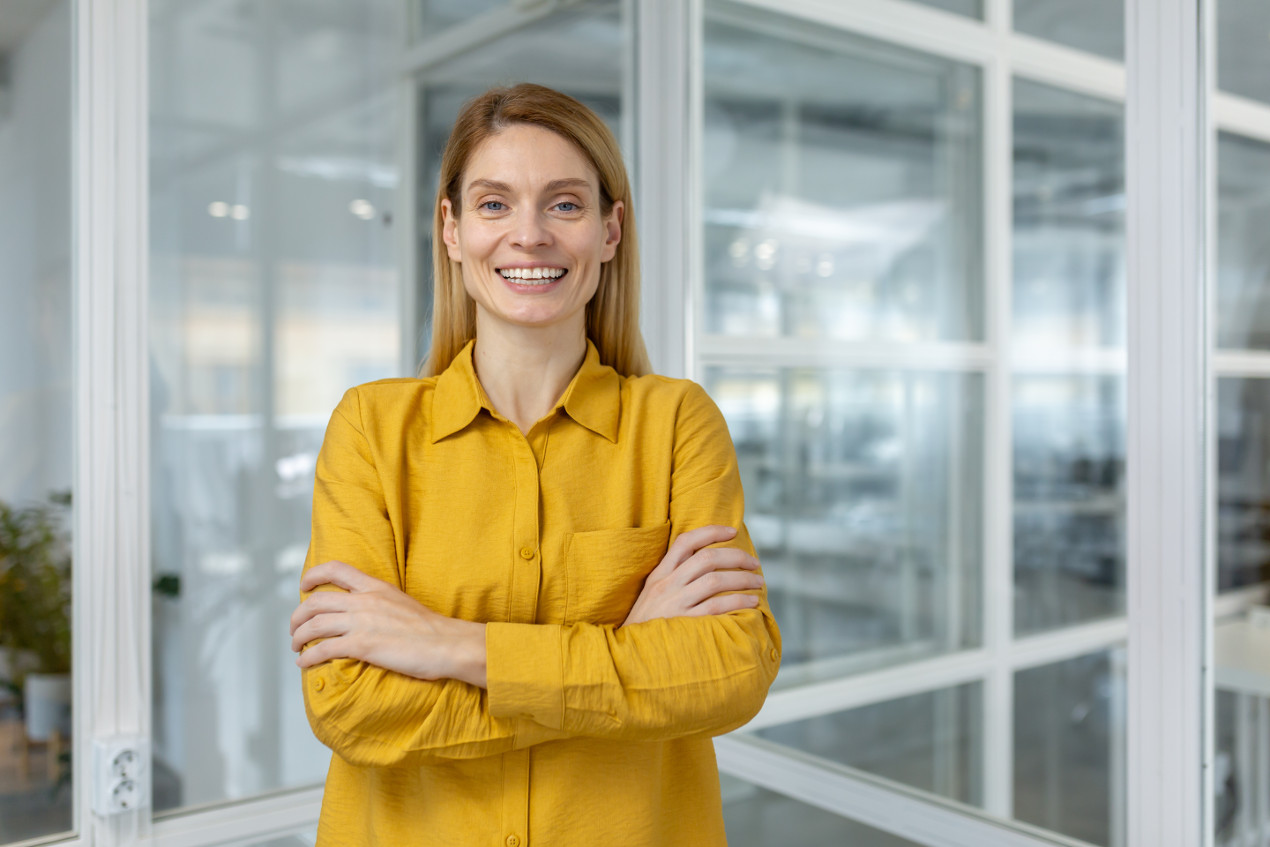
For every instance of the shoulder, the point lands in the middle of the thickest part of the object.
(383, 400)
(681, 399)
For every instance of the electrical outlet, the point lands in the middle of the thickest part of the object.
(121, 775)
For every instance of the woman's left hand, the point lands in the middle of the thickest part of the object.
(377, 623)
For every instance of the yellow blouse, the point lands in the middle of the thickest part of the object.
(588, 734)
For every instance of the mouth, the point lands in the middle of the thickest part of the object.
(532, 276)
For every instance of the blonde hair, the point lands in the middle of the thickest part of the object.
(612, 315)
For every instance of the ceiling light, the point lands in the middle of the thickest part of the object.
(218, 208)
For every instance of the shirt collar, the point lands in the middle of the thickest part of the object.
(593, 397)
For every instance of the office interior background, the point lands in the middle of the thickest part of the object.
(888, 236)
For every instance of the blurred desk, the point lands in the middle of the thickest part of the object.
(1241, 665)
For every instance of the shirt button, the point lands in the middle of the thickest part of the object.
(513, 841)
(525, 553)
(319, 684)
(773, 655)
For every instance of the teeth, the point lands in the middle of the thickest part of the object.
(532, 275)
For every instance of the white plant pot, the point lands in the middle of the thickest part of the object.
(48, 705)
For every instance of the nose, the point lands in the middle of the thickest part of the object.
(529, 231)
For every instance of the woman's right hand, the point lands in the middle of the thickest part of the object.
(693, 579)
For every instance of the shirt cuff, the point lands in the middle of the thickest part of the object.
(524, 672)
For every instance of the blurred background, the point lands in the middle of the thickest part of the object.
(906, 293)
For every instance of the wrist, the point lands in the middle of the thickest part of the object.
(467, 652)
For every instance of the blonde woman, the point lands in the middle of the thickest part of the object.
(530, 600)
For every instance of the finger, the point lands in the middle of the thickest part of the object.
(341, 575)
(317, 604)
(720, 582)
(331, 648)
(718, 605)
(688, 543)
(715, 559)
(323, 626)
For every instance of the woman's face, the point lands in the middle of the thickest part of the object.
(530, 235)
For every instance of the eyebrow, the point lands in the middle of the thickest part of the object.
(554, 185)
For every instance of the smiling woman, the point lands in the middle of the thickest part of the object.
(501, 643)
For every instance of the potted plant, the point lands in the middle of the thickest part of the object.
(35, 606)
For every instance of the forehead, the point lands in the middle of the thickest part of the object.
(526, 156)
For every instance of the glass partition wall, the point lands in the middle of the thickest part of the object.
(907, 294)
(846, 331)
(36, 420)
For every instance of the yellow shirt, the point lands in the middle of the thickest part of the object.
(588, 734)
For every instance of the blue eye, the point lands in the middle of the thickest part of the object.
(493, 206)
(573, 207)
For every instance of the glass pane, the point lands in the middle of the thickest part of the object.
(1243, 61)
(1243, 260)
(971, 8)
(591, 71)
(931, 741)
(36, 420)
(1069, 500)
(273, 289)
(1243, 486)
(1069, 737)
(435, 16)
(756, 817)
(1242, 732)
(1069, 247)
(864, 498)
(1095, 26)
(842, 185)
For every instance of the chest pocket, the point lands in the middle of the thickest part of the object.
(606, 571)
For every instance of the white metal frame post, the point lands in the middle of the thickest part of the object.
(664, 58)
(111, 534)
(1167, 589)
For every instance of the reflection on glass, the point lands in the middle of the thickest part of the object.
(1069, 259)
(1243, 486)
(590, 70)
(1069, 500)
(756, 817)
(273, 174)
(842, 185)
(36, 420)
(436, 16)
(931, 741)
(1242, 746)
(1243, 253)
(1069, 737)
(864, 499)
(970, 8)
(1243, 62)
(1095, 26)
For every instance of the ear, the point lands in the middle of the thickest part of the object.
(613, 230)
(450, 230)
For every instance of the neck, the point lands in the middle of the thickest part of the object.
(524, 370)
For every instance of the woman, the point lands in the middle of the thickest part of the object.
(536, 601)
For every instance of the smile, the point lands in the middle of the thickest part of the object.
(532, 276)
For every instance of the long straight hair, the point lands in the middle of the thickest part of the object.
(612, 315)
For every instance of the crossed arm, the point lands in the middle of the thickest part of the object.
(378, 623)
(389, 681)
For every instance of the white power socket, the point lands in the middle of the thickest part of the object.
(121, 774)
